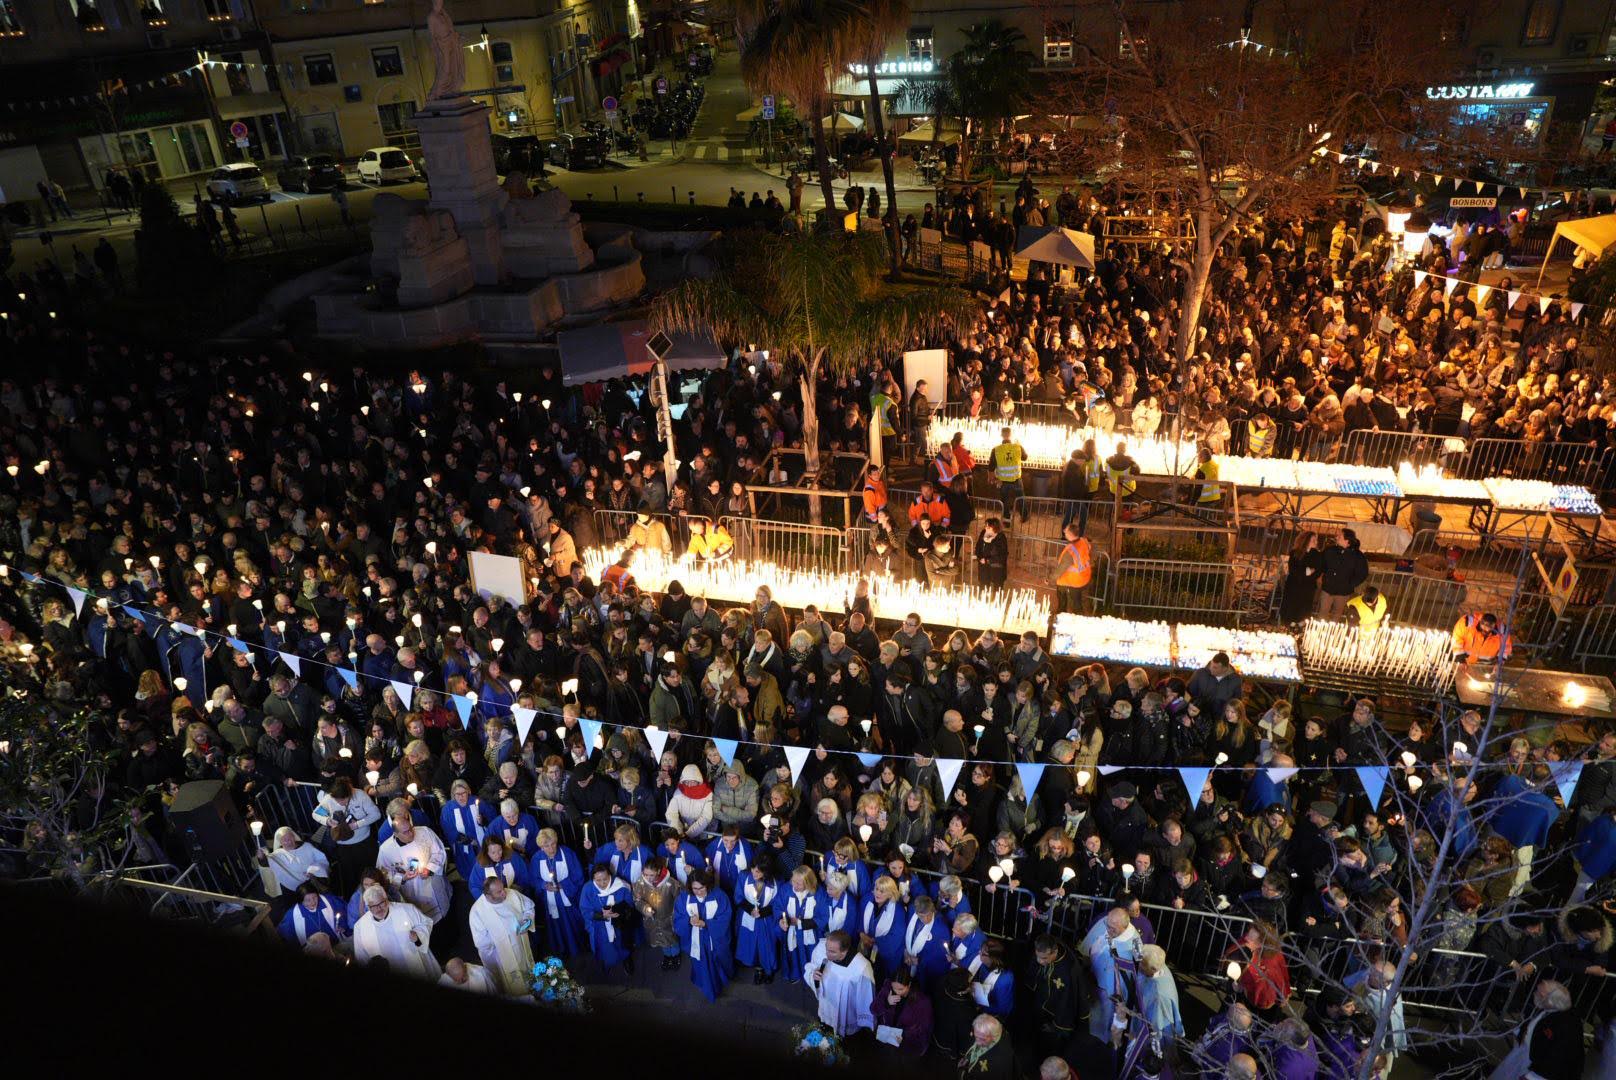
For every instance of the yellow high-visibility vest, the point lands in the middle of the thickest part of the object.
(1007, 458)
(1210, 491)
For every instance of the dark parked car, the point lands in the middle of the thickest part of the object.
(315, 172)
(513, 152)
(576, 152)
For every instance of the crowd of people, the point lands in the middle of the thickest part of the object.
(776, 790)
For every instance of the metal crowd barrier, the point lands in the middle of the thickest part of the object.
(1596, 641)
(280, 805)
(1172, 590)
(1417, 600)
(1389, 449)
(805, 547)
(1047, 518)
(1558, 463)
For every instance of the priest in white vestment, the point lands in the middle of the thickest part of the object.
(844, 982)
(396, 932)
(463, 976)
(1112, 946)
(413, 859)
(501, 920)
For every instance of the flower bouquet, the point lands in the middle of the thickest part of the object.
(818, 1044)
(555, 988)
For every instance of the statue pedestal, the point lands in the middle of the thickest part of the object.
(461, 179)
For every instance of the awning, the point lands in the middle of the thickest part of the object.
(840, 121)
(925, 133)
(236, 105)
(611, 62)
(617, 349)
(1052, 244)
(1594, 234)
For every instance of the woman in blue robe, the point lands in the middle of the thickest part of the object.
(558, 882)
(757, 922)
(927, 942)
(356, 902)
(462, 820)
(951, 900)
(729, 857)
(683, 857)
(843, 859)
(882, 921)
(314, 913)
(708, 946)
(994, 987)
(841, 910)
(608, 912)
(802, 921)
(518, 828)
(495, 859)
(626, 855)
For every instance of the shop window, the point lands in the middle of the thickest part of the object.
(504, 61)
(87, 13)
(235, 73)
(217, 10)
(321, 69)
(1057, 42)
(1542, 21)
(920, 43)
(1139, 25)
(387, 61)
(396, 127)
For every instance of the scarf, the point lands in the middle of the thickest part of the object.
(838, 912)
(756, 897)
(705, 910)
(917, 935)
(321, 920)
(467, 832)
(881, 916)
(983, 990)
(555, 870)
(606, 894)
(696, 791)
(738, 855)
(804, 907)
(635, 863)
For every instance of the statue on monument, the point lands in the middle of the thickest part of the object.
(448, 54)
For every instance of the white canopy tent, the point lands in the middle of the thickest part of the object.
(840, 121)
(928, 133)
(1593, 234)
(1053, 244)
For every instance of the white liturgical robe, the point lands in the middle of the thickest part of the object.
(844, 991)
(390, 939)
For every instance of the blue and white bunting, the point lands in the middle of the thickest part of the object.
(1195, 778)
(1031, 773)
(404, 690)
(796, 757)
(948, 770)
(1373, 779)
(657, 740)
(590, 729)
(78, 596)
(293, 661)
(726, 749)
(463, 703)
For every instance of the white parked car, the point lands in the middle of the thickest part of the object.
(238, 183)
(386, 163)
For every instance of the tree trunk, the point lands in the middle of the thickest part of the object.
(1188, 322)
(827, 183)
(879, 127)
(809, 385)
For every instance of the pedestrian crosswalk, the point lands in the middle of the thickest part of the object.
(715, 152)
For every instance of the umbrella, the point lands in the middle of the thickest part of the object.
(923, 133)
(1052, 244)
(840, 120)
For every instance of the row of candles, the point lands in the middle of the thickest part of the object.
(1261, 654)
(1409, 654)
(1540, 495)
(737, 581)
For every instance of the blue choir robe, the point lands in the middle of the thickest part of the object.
(328, 917)
(757, 936)
(927, 942)
(995, 992)
(841, 913)
(463, 833)
(1158, 1002)
(561, 906)
(1263, 791)
(512, 871)
(858, 874)
(885, 923)
(965, 951)
(808, 911)
(384, 831)
(1113, 963)
(523, 837)
(729, 863)
(910, 886)
(708, 947)
(626, 865)
(685, 861)
(611, 940)
(1525, 816)
(949, 912)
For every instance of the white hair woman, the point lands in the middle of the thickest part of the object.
(292, 862)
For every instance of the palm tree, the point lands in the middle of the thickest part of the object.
(815, 301)
(787, 47)
(874, 23)
(986, 82)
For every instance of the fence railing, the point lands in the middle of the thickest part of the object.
(1596, 641)
(1417, 600)
(1557, 463)
(1389, 449)
(1173, 591)
(801, 547)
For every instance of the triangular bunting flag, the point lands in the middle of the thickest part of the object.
(948, 770)
(1576, 312)
(1281, 773)
(1449, 285)
(796, 757)
(1416, 174)
(524, 721)
(1031, 773)
(294, 662)
(26, 576)
(78, 596)
(591, 732)
(1543, 303)
(1523, 193)
(1514, 295)
(1479, 186)
(1396, 171)
(1194, 780)
(868, 761)
(726, 749)
(1419, 278)
(241, 647)
(349, 676)
(1481, 293)
(1373, 779)
(1566, 774)
(404, 690)
(1439, 178)
(657, 740)
(1107, 770)
(463, 705)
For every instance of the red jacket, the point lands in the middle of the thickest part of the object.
(1265, 980)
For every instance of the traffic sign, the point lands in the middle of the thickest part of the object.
(609, 103)
(243, 142)
(768, 101)
(238, 130)
(768, 112)
(662, 86)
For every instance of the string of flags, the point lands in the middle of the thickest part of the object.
(1460, 183)
(1374, 778)
(1449, 284)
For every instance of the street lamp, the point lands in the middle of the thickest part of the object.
(1415, 230)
